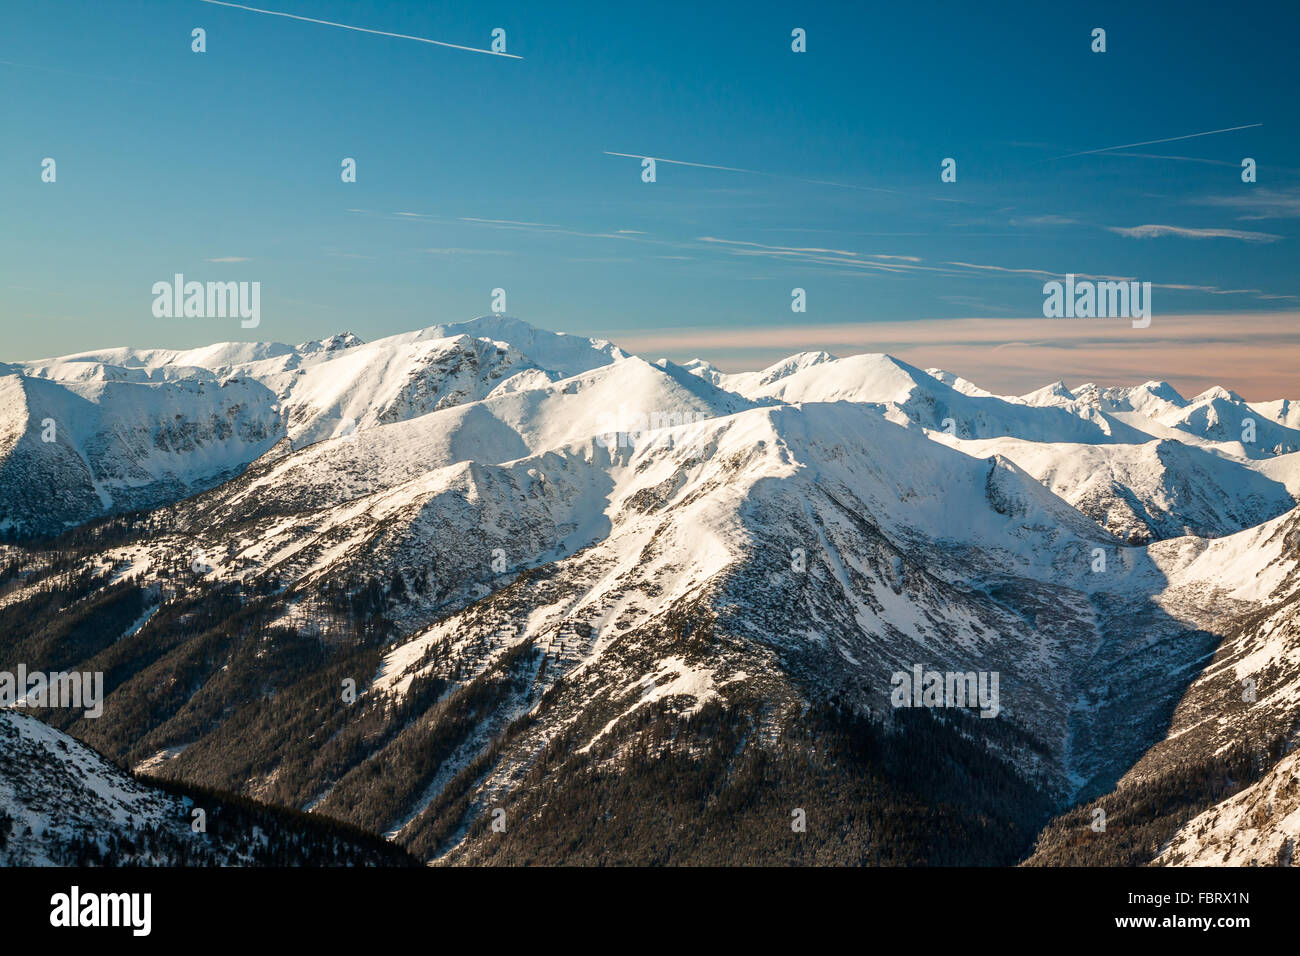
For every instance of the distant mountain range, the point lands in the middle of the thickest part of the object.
(601, 609)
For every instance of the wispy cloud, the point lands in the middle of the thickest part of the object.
(1152, 231)
(848, 262)
(1180, 159)
(499, 222)
(540, 228)
(858, 262)
(345, 26)
(1172, 286)
(1259, 203)
(752, 172)
(803, 249)
(1048, 220)
(468, 252)
(230, 259)
(1039, 273)
(838, 261)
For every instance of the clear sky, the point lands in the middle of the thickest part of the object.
(477, 171)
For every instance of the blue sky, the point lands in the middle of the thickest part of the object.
(477, 171)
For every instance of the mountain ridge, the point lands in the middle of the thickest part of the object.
(541, 577)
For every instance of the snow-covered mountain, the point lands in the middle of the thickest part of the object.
(1259, 826)
(540, 560)
(62, 804)
(123, 429)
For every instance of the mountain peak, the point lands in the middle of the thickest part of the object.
(794, 363)
(1218, 392)
(335, 343)
(1054, 394)
(555, 351)
(957, 383)
(1162, 389)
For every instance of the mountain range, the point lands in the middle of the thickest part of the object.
(504, 595)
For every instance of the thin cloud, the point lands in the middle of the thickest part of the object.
(1044, 274)
(807, 249)
(501, 222)
(535, 228)
(1259, 203)
(230, 259)
(468, 252)
(1048, 220)
(1040, 273)
(1180, 159)
(1152, 231)
(859, 262)
(1215, 290)
(752, 172)
(345, 26)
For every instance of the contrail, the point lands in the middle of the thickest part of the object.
(344, 26)
(754, 172)
(1152, 142)
(682, 162)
